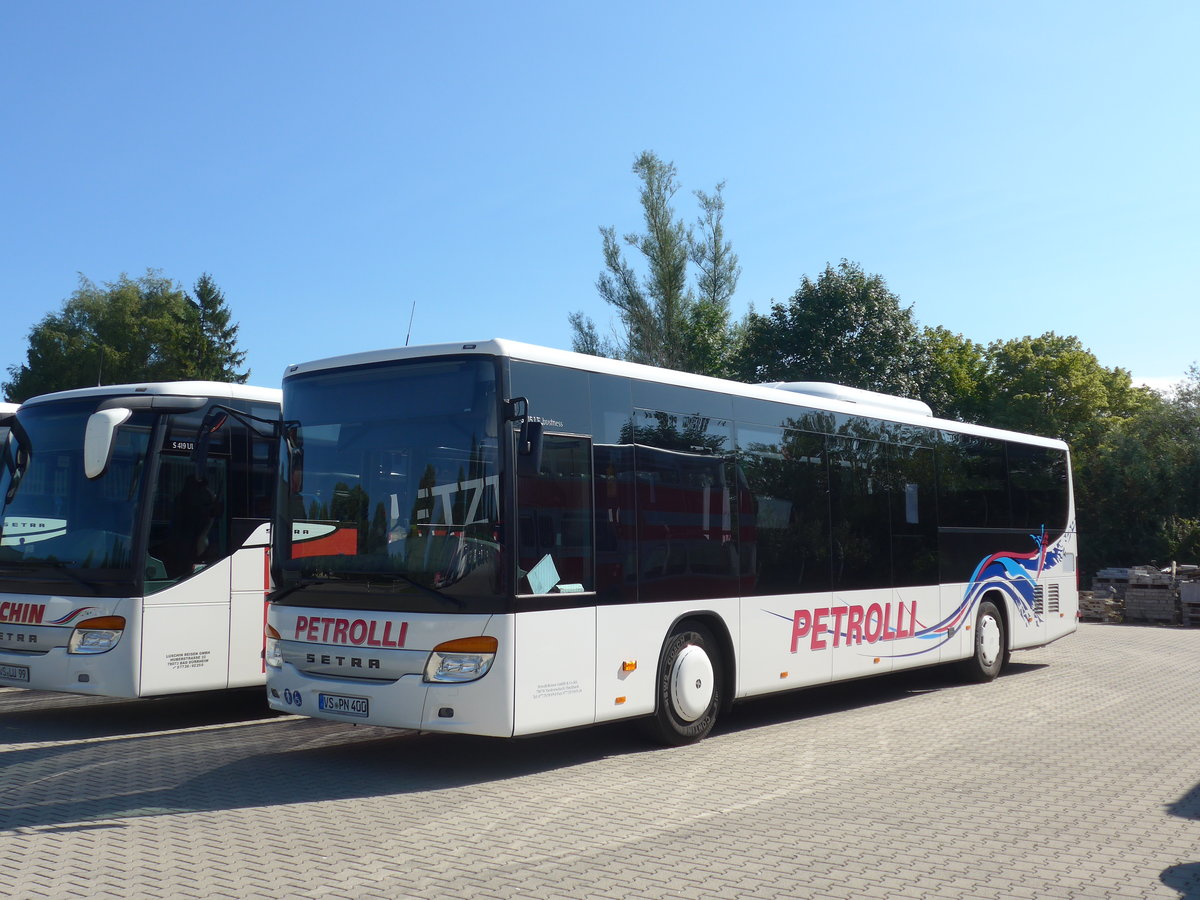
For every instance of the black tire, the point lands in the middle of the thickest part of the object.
(989, 641)
(689, 686)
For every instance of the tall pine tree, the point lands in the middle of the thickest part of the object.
(217, 356)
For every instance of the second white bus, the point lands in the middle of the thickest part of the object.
(127, 569)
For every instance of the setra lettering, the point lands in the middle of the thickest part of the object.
(330, 659)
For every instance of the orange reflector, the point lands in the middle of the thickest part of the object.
(270, 632)
(877, 660)
(783, 674)
(103, 623)
(619, 701)
(630, 665)
(480, 644)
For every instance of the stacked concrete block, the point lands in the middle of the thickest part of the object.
(1152, 597)
(1100, 606)
(1189, 603)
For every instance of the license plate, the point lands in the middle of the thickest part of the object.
(15, 673)
(343, 706)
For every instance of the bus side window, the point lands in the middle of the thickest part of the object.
(555, 516)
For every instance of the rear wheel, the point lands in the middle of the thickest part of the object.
(990, 645)
(689, 686)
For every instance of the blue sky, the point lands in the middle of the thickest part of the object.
(1009, 168)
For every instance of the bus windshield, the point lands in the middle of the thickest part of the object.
(59, 530)
(391, 486)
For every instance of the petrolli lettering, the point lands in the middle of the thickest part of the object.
(853, 624)
(356, 632)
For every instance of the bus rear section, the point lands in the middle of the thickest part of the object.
(128, 569)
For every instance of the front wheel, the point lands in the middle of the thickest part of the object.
(990, 644)
(689, 686)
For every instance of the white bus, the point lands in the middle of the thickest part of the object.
(127, 568)
(501, 539)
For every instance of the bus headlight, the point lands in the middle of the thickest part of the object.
(273, 649)
(465, 659)
(97, 635)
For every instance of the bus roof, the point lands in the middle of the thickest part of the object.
(217, 390)
(833, 398)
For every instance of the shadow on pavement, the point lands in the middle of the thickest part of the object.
(793, 706)
(35, 717)
(1185, 878)
(139, 764)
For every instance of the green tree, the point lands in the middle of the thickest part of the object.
(1143, 481)
(217, 355)
(144, 329)
(664, 321)
(1053, 385)
(1135, 485)
(845, 327)
(711, 339)
(954, 375)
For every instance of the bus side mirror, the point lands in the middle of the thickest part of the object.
(295, 457)
(530, 446)
(529, 437)
(99, 435)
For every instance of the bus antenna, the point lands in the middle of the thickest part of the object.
(410, 318)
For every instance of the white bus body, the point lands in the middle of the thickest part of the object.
(500, 539)
(122, 573)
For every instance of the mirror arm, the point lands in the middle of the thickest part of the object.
(213, 420)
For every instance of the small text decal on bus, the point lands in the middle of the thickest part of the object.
(853, 624)
(359, 632)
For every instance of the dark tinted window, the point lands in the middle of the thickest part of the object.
(1038, 486)
(914, 516)
(750, 411)
(648, 395)
(555, 519)
(612, 409)
(972, 482)
(859, 482)
(785, 534)
(685, 506)
(615, 504)
(558, 397)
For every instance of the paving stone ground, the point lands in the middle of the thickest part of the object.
(1074, 775)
